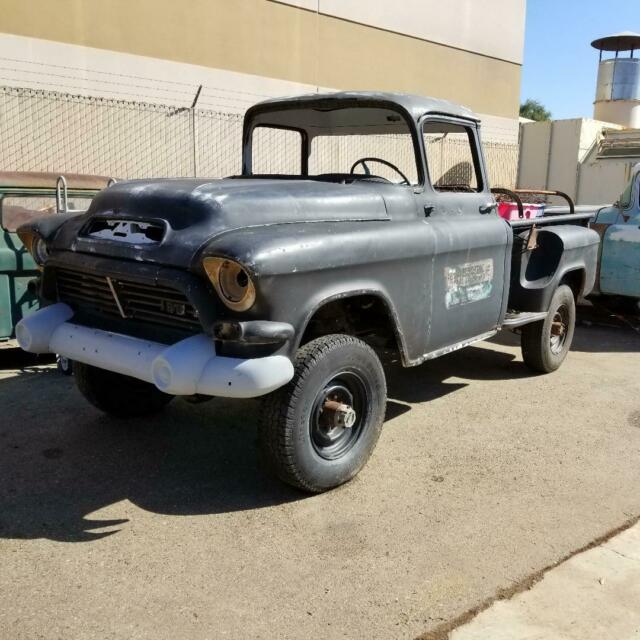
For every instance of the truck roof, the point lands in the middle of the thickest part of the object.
(415, 105)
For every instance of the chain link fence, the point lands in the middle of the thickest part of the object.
(64, 133)
(59, 132)
(502, 163)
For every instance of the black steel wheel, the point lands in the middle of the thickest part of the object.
(339, 413)
(319, 430)
(545, 344)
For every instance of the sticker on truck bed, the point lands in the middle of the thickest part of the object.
(468, 282)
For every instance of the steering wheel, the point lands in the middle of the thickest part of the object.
(386, 163)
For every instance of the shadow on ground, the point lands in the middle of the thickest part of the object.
(598, 330)
(60, 460)
(601, 329)
(16, 358)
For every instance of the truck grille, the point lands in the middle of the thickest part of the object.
(153, 304)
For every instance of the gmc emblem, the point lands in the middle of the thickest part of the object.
(173, 308)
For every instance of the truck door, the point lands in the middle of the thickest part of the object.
(472, 243)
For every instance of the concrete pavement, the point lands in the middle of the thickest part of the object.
(593, 595)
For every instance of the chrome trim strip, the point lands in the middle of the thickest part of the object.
(115, 296)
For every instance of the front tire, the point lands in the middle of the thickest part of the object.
(545, 344)
(119, 396)
(319, 430)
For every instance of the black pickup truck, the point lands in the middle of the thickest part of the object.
(361, 222)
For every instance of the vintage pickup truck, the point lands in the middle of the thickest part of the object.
(289, 280)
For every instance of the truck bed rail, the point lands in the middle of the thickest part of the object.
(549, 218)
(577, 218)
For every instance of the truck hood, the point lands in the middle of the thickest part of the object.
(185, 214)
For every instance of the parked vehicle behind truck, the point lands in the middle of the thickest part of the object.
(288, 283)
(23, 198)
(619, 228)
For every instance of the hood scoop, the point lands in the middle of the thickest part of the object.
(127, 231)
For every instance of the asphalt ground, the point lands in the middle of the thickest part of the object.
(485, 475)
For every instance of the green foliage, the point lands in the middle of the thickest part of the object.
(533, 110)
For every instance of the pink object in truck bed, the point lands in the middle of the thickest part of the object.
(509, 210)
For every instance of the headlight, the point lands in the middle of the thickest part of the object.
(39, 250)
(35, 245)
(232, 282)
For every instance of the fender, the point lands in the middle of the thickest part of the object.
(47, 226)
(298, 268)
(560, 250)
(377, 293)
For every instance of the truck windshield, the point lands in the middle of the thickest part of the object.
(345, 144)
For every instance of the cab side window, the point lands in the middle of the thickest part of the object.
(452, 161)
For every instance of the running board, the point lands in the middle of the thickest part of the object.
(452, 347)
(513, 320)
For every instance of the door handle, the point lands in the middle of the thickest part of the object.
(487, 207)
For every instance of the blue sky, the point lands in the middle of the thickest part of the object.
(560, 66)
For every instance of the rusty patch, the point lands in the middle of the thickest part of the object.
(44, 180)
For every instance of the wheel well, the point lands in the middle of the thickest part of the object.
(575, 281)
(364, 316)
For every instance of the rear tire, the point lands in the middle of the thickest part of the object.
(304, 439)
(119, 396)
(545, 344)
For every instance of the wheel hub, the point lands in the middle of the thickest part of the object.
(559, 327)
(339, 414)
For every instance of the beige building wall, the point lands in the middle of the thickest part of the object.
(603, 182)
(533, 161)
(494, 28)
(563, 155)
(246, 50)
